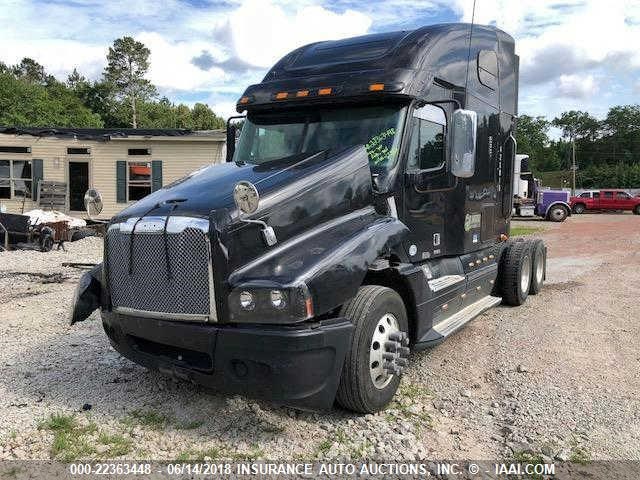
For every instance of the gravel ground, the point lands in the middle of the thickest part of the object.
(557, 377)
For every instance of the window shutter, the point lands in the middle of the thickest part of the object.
(156, 175)
(37, 174)
(121, 181)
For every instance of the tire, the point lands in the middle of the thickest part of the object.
(372, 307)
(579, 208)
(538, 266)
(636, 210)
(80, 234)
(558, 213)
(516, 273)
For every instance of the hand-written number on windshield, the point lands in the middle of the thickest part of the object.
(379, 152)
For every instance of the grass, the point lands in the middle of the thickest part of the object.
(217, 452)
(531, 458)
(522, 231)
(147, 418)
(70, 439)
(579, 454)
(118, 445)
(155, 420)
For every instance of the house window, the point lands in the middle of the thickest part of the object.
(139, 151)
(11, 149)
(138, 180)
(78, 151)
(15, 178)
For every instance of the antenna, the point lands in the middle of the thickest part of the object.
(466, 79)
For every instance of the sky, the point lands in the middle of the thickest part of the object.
(574, 54)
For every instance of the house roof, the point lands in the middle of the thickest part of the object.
(105, 134)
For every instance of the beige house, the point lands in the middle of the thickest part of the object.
(124, 165)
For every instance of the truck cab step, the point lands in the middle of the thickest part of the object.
(453, 323)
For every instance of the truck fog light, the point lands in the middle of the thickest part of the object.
(277, 299)
(246, 301)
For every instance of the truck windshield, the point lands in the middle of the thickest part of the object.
(276, 136)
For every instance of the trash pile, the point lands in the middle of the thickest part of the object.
(38, 216)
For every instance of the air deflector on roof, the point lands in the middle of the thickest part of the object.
(349, 50)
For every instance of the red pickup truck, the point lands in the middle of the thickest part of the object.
(605, 200)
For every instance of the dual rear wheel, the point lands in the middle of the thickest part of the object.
(522, 270)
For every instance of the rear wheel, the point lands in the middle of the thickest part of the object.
(379, 349)
(538, 266)
(579, 208)
(516, 273)
(558, 213)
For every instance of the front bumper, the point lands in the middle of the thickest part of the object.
(295, 366)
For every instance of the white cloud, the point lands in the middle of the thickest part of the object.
(577, 86)
(263, 32)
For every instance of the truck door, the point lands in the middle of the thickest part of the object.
(607, 200)
(425, 179)
(623, 201)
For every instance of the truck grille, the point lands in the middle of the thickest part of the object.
(164, 275)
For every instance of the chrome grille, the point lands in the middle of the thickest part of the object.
(162, 276)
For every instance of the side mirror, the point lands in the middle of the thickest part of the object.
(234, 126)
(463, 152)
(231, 141)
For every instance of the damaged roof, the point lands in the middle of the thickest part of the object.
(106, 134)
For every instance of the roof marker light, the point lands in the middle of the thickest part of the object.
(302, 93)
(281, 95)
(376, 87)
(324, 91)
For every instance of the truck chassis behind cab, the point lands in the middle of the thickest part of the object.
(363, 212)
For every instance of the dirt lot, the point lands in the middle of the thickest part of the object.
(558, 377)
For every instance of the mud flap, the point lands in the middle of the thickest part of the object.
(87, 295)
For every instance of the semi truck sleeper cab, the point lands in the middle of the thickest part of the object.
(363, 213)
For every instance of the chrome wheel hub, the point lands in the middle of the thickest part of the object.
(388, 351)
(539, 269)
(525, 275)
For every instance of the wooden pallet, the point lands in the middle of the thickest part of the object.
(52, 195)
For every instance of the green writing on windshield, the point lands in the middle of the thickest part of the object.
(378, 149)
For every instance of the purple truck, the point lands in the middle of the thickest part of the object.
(530, 200)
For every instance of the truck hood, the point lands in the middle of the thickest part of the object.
(211, 188)
(295, 195)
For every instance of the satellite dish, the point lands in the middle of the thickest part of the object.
(93, 203)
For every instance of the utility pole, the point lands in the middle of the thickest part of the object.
(573, 167)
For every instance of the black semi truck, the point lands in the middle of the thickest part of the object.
(364, 212)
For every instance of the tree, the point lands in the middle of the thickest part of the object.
(203, 118)
(24, 103)
(31, 71)
(532, 138)
(127, 64)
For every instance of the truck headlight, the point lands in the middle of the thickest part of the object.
(268, 302)
(277, 299)
(246, 301)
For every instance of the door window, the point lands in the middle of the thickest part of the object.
(596, 194)
(622, 196)
(426, 150)
(608, 195)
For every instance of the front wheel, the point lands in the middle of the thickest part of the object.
(636, 210)
(379, 349)
(579, 208)
(558, 213)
